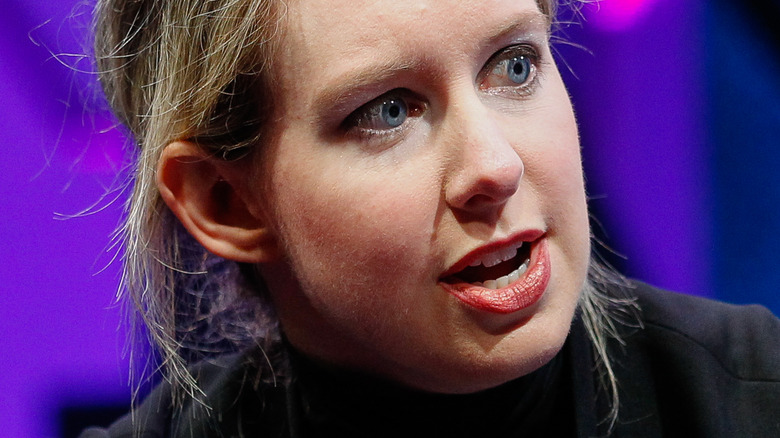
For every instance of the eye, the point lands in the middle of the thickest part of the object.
(514, 69)
(385, 113)
(393, 112)
(517, 69)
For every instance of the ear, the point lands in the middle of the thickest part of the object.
(205, 196)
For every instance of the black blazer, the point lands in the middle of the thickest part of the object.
(699, 368)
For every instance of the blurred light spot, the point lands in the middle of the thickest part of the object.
(618, 15)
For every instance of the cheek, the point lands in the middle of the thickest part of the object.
(554, 168)
(353, 227)
(561, 182)
(567, 209)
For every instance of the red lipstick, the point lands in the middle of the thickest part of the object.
(516, 296)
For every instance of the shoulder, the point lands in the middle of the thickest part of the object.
(743, 340)
(697, 367)
(148, 420)
(230, 386)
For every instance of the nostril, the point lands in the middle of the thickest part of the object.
(477, 187)
(478, 201)
(492, 192)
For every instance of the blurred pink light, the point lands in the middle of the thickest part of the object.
(618, 15)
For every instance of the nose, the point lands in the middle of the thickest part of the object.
(486, 170)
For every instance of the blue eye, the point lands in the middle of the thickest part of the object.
(393, 112)
(514, 70)
(385, 113)
(518, 69)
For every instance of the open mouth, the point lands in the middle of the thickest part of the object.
(496, 270)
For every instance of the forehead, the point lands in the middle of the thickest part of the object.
(326, 39)
(369, 23)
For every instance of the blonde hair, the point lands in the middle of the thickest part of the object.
(200, 70)
(195, 70)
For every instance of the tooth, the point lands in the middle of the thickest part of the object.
(490, 284)
(476, 263)
(493, 261)
(502, 282)
(478, 283)
(509, 254)
(514, 276)
(524, 267)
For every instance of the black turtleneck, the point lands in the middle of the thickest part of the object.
(326, 402)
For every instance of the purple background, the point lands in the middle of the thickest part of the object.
(680, 116)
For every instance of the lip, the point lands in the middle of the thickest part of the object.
(521, 294)
(529, 236)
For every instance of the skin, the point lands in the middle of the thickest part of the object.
(367, 219)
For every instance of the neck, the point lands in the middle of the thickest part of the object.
(336, 402)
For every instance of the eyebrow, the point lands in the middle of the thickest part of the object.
(353, 83)
(524, 22)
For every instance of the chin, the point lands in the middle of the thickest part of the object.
(509, 359)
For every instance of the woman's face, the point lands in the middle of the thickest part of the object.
(424, 179)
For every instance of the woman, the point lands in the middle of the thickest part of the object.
(379, 207)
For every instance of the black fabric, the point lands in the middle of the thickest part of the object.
(699, 368)
(336, 403)
(696, 368)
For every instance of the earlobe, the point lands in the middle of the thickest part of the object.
(206, 198)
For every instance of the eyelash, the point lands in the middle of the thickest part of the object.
(405, 104)
(399, 99)
(525, 53)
